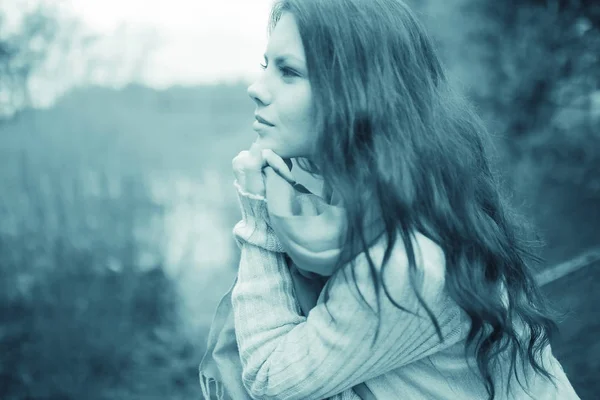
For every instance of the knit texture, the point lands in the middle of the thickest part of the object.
(288, 356)
(309, 229)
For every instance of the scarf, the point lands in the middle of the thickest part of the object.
(309, 229)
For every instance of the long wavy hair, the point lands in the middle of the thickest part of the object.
(392, 133)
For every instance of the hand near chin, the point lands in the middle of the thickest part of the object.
(249, 168)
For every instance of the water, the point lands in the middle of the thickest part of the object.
(198, 245)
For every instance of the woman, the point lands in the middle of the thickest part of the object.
(430, 294)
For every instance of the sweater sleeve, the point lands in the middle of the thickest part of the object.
(287, 356)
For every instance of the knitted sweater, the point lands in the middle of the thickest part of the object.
(288, 356)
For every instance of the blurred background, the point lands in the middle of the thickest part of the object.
(118, 123)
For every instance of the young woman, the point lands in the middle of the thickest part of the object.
(408, 279)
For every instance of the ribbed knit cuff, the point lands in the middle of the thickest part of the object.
(255, 228)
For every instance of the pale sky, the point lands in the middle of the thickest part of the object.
(195, 42)
(202, 40)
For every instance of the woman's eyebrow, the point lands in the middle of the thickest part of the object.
(283, 57)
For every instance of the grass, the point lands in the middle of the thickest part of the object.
(83, 318)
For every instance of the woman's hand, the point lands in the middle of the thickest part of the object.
(248, 168)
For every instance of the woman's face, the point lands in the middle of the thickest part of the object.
(283, 95)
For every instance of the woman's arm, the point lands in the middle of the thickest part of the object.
(288, 356)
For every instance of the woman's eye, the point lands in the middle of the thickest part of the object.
(288, 72)
(284, 70)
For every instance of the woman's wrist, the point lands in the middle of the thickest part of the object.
(242, 192)
(253, 206)
(255, 228)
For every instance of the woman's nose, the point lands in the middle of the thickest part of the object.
(258, 93)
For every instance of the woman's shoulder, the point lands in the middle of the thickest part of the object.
(428, 273)
(428, 255)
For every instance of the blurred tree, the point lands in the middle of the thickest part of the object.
(542, 95)
(50, 50)
(22, 51)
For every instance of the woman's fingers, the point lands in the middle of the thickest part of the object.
(247, 169)
(249, 161)
(256, 153)
(279, 165)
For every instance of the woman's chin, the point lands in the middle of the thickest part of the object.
(265, 143)
(282, 151)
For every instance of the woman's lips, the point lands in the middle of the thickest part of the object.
(257, 125)
(262, 120)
